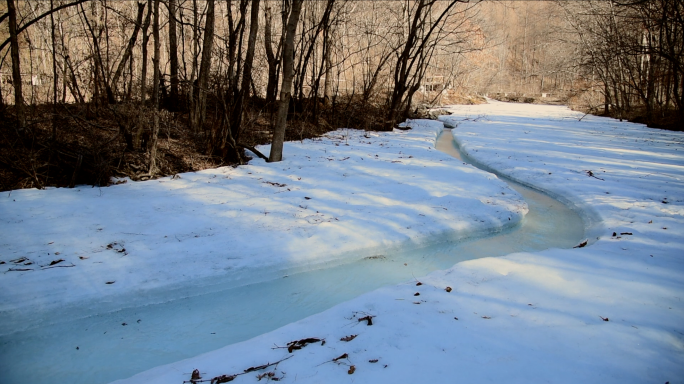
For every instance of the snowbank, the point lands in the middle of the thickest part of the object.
(610, 312)
(341, 198)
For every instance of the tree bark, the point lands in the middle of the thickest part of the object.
(155, 93)
(198, 112)
(286, 86)
(271, 59)
(327, 48)
(173, 55)
(606, 98)
(16, 69)
(194, 65)
(55, 80)
(247, 69)
(143, 74)
(146, 39)
(129, 47)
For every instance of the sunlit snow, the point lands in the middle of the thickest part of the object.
(610, 312)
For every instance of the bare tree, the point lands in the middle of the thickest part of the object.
(320, 65)
(272, 59)
(146, 39)
(199, 109)
(155, 93)
(243, 92)
(423, 34)
(16, 68)
(173, 54)
(638, 71)
(129, 48)
(286, 86)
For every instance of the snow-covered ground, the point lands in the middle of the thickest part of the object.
(609, 312)
(347, 196)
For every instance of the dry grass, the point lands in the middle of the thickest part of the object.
(96, 144)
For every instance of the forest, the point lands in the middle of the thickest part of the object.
(97, 91)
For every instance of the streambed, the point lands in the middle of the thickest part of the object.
(110, 346)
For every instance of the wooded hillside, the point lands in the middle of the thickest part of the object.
(92, 89)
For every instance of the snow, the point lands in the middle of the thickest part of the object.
(524, 317)
(345, 197)
(341, 198)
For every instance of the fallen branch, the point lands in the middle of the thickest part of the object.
(299, 344)
(279, 185)
(253, 150)
(368, 318)
(270, 376)
(222, 379)
(58, 266)
(581, 245)
(591, 174)
(260, 367)
(217, 379)
(53, 262)
(335, 360)
(196, 378)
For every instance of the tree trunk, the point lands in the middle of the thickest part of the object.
(99, 65)
(129, 94)
(606, 99)
(55, 81)
(16, 70)
(198, 112)
(143, 75)
(194, 65)
(155, 92)
(286, 86)
(65, 68)
(173, 55)
(272, 60)
(235, 124)
(146, 39)
(129, 47)
(327, 48)
(416, 52)
(73, 85)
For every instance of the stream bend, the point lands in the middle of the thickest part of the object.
(163, 333)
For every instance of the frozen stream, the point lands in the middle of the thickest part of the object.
(100, 348)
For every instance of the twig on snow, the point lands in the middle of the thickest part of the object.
(196, 378)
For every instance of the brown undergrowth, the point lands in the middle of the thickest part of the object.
(86, 144)
(669, 119)
(660, 117)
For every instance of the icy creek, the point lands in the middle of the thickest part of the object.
(131, 340)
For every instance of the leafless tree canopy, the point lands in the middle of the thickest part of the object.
(97, 88)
